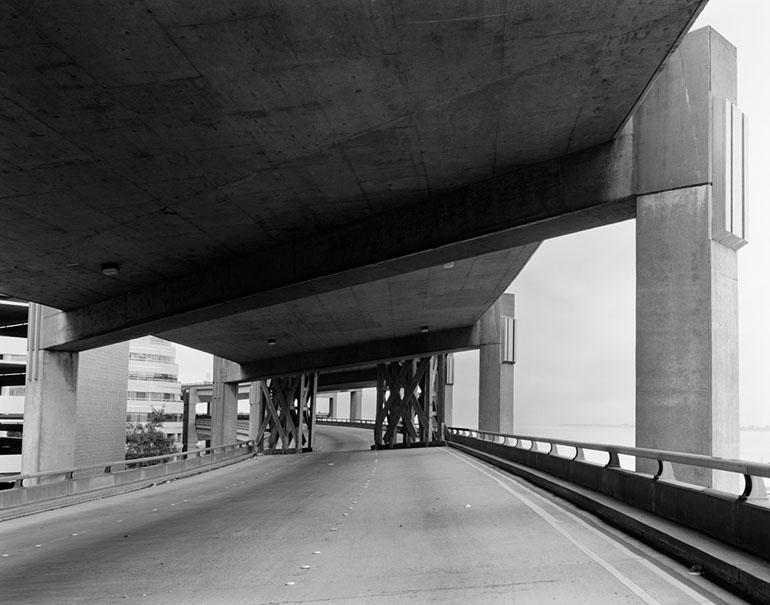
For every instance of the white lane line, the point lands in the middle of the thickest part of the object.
(693, 594)
(627, 582)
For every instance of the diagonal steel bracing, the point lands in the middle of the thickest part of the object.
(410, 402)
(287, 423)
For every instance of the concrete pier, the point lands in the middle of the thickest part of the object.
(449, 373)
(224, 408)
(496, 359)
(689, 226)
(356, 402)
(75, 403)
(190, 400)
(255, 408)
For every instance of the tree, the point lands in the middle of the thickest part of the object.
(146, 440)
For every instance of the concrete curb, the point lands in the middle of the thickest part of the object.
(742, 573)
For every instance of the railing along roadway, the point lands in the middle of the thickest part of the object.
(752, 472)
(106, 478)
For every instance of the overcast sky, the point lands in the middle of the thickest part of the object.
(576, 298)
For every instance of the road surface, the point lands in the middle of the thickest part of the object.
(343, 524)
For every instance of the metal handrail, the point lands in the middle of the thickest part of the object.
(343, 420)
(747, 468)
(18, 480)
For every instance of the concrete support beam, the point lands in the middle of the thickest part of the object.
(578, 191)
(687, 288)
(356, 403)
(255, 408)
(449, 390)
(190, 400)
(75, 404)
(496, 362)
(432, 343)
(224, 407)
(687, 332)
(358, 378)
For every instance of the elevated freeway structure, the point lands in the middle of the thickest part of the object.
(351, 187)
(300, 189)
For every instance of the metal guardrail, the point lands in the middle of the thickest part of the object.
(741, 521)
(205, 424)
(753, 472)
(343, 421)
(69, 474)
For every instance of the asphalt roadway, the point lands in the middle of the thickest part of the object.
(343, 524)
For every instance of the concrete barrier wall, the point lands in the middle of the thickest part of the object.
(723, 516)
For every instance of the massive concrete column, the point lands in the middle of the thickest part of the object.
(356, 402)
(190, 400)
(449, 389)
(224, 408)
(75, 404)
(255, 408)
(689, 133)
(496, 359)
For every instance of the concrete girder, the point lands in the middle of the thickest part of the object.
(356, 378)
(578, 191)
(420, 345)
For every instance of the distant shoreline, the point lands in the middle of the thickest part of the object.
(751, 427)
(597, 424)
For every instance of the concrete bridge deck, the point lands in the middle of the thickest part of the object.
(409, 526)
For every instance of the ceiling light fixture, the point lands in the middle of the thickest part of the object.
(271, 341)
(110, 269)
(449, 265)
(424, 329)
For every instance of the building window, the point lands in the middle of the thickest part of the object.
(158, 376)
(150, 357)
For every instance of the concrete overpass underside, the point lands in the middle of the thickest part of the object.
(308, 173)
(300, 189)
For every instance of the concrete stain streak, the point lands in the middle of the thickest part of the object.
(693, 118)
(456, 19)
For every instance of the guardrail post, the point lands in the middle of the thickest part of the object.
(580, 455)
(665, 471)
(755, 491)
(614, 461)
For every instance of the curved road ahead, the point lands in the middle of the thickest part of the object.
(341, 525)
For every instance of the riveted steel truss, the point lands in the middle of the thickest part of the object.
(410, 402)
(287, 424)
